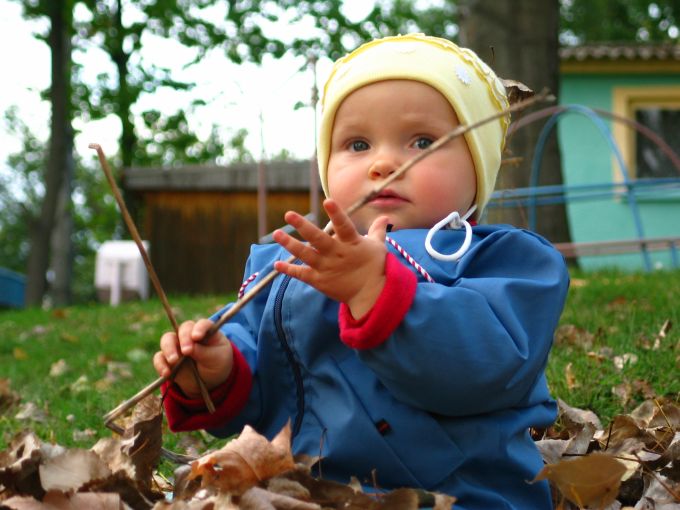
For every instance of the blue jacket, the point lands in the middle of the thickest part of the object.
(446, 402)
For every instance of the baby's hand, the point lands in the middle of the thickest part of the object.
(214, 357)
(347, 267)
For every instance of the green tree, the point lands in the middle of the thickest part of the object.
(70, 96)
(337, 35)
(238, 153)
(241, 31)
(59, 164)
(95, 216)
(592, 21)
(202, 26)
(21, 193)
(519, 39)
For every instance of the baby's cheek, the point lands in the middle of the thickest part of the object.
(341, 192)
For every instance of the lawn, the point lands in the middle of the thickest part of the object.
(71, 366)
(78, 363)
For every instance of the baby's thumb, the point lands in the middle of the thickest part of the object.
(378, 229)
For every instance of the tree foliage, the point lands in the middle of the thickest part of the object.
(20, 193)
(243, 31)
(591, 21)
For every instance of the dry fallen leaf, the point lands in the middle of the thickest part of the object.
(574, 417)
(30, 411)
(640, 469)
(69, 337)
(623, 392)
(628, 358)
(8, 398)
(661, 335)
(81, 384)
(83, 435)
(19, 463)
(568, 334)
(19, 354)
(257, 499)
(71, 470)
(516, 91)
(592, 480)
(570, 378)
(59, 501)
(143, 439)
(59, 367)
(246, 460)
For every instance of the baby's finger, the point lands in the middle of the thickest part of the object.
(300, 250)
(201, 329)
(161, 365)
(378, 229)
(342, 224)
(297, 271)
(186, 342)
(316, 237)
(169, 348)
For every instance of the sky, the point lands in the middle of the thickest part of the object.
(259, 99)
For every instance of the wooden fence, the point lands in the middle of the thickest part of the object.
(201, 221)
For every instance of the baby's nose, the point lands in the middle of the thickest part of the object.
(381, 168)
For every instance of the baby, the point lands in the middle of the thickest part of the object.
(417, 355)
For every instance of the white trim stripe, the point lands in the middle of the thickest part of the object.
(410, 259)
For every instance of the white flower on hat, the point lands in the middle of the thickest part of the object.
(463, 75)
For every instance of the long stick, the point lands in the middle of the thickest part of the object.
(459, 131)
(147, 262)
(248, 296)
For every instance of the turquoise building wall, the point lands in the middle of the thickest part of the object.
(587, 158)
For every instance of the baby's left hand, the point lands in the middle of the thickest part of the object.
(347, 266)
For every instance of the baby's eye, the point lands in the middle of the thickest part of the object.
(358, 146)
(423, 142)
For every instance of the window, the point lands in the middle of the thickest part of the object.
(650, 161)
(657, 108)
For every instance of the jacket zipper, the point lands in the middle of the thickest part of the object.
(297, 373)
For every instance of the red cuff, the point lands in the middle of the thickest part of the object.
(230, 398)
(387, 312)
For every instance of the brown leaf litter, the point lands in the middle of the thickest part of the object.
(632, 463)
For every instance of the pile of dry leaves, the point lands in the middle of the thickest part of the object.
(632, 463)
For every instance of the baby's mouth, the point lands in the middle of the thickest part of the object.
(388, 197)
(384, 204)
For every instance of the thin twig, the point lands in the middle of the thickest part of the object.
(177, 458)
(455, 133)
(609, 435)
(668, 422)
(248, 296)
(147, 262)
(669, 489)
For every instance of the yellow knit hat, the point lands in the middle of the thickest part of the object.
(472, 88)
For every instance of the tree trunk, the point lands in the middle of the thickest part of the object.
(519, 40)
(128, 138)
(60, 148)
(120, 58)
(62, 242)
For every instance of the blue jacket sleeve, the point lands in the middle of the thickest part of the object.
(242, 331)
(479, 343)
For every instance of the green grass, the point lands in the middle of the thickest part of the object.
(87, 338)
(621, 312)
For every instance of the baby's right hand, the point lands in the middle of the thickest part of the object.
(214, 357)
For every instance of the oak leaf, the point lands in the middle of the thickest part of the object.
(246, 460)
(71, 470)
(592, 480)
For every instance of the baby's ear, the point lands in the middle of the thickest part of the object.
(516, 91)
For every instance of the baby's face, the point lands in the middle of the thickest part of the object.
(380, 126)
